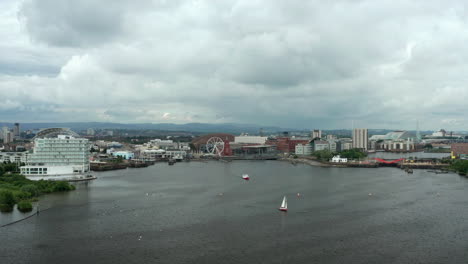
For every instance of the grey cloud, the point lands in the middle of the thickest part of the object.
(74, 23)
(288, 63)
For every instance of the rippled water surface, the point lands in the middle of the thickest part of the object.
(205, 213)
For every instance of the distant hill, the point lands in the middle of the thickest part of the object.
(189, 127)
(232, 128)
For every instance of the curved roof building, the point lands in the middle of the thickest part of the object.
(54, 132)
(399, 135)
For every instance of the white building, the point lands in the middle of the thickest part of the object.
(250, 139)
(305, 149)
(440, 133)
(124, 154)
(360, 138)
(8, 136)
(13, 157)
(339, 159)
(58, 155)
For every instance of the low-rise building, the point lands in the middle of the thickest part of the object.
(124, 154)
(13, 157)
(339, 159)
(321, 145)
(303, 149)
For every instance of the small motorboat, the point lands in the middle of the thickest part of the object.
(245, 177)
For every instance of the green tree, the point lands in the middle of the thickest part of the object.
(323, 155)
(353, 154)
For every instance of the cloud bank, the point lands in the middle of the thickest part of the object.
(299, 64)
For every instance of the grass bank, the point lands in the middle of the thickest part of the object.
(17, 189)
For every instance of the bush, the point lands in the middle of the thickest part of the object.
(25, 206)
(32, 189)
(5, 208)
(7, 198)
(61, 187)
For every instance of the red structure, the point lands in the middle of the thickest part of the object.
(227, 149)
(388, 161)
(459, 148)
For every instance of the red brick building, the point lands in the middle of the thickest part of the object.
(285, 144)
(459, 148)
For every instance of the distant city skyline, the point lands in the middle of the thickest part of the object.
(293, 64)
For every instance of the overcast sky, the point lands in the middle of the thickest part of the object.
(295, 63)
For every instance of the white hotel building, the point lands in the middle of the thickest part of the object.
(59, 155)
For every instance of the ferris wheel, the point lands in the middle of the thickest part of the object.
(215, 146)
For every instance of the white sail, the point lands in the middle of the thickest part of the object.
(284, 204)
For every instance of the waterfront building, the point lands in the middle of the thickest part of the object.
(286, 144)
(303, 149)
(360, 138)
(339, 159)
(331, 137)
(156, 154)
(321, 145)
(124, 154)
(58, 153)
(399, 141)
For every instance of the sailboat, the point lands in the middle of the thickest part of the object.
(245, 177)
(284, 205)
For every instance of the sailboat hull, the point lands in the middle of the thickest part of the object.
(283, 209)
